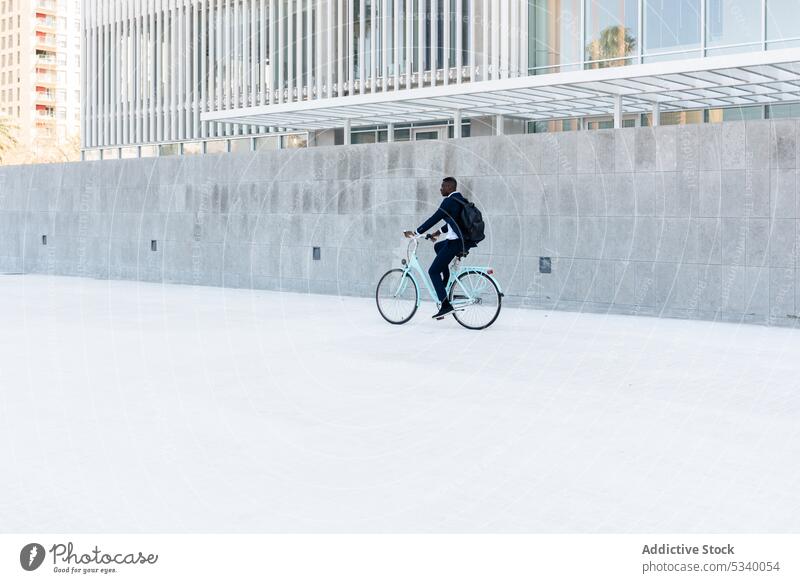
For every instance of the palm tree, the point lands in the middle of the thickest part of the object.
(7, 139)
(68, 150)
(614, 42)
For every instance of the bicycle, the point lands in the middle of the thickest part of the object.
(473, 291)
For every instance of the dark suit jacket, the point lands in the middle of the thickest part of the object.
(447, 212)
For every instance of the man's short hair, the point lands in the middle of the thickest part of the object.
(451, 181)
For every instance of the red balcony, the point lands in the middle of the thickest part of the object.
(46, 40)
(45, 22)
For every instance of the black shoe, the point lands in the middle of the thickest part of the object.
(444, 310)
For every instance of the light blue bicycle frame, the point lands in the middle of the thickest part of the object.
(413, 265)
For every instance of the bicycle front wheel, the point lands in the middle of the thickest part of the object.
(397, 296)
(476, 299)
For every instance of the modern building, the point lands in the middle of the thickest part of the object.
(190, 76)
(40, 74)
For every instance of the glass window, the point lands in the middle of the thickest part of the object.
(732, 22)
(130, 152)
(402, 135)
(671, 26)
(192, 148)
(611, 32)
(241, 145)
(216, 147)
(557, 36)
(604, 124)
(537, 127)
(426, 135)
(600, 124)
(679, 118)
(465, 127)
(169, 149)
(356, 45)
(783, 22)
(559, 125)
(147, 151)
(268, 143)
(429, 31)
(784, 110)
(362, 137)
(735, 114)
(294, 141)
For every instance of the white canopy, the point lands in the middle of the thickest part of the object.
(722, 81)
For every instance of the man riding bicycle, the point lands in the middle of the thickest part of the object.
(452, 245)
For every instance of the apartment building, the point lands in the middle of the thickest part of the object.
(190, 76)
(40, 81)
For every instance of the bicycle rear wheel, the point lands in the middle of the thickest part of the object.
(397, 296)
(476, 299)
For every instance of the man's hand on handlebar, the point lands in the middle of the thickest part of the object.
(413, 235)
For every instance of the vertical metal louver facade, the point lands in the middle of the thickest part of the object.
(152, 67)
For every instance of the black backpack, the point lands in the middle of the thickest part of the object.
(470, 220)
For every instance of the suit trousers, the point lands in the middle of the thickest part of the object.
(439, 271)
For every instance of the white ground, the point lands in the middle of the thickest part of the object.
(128, 407)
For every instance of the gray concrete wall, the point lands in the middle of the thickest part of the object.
(697, 221)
